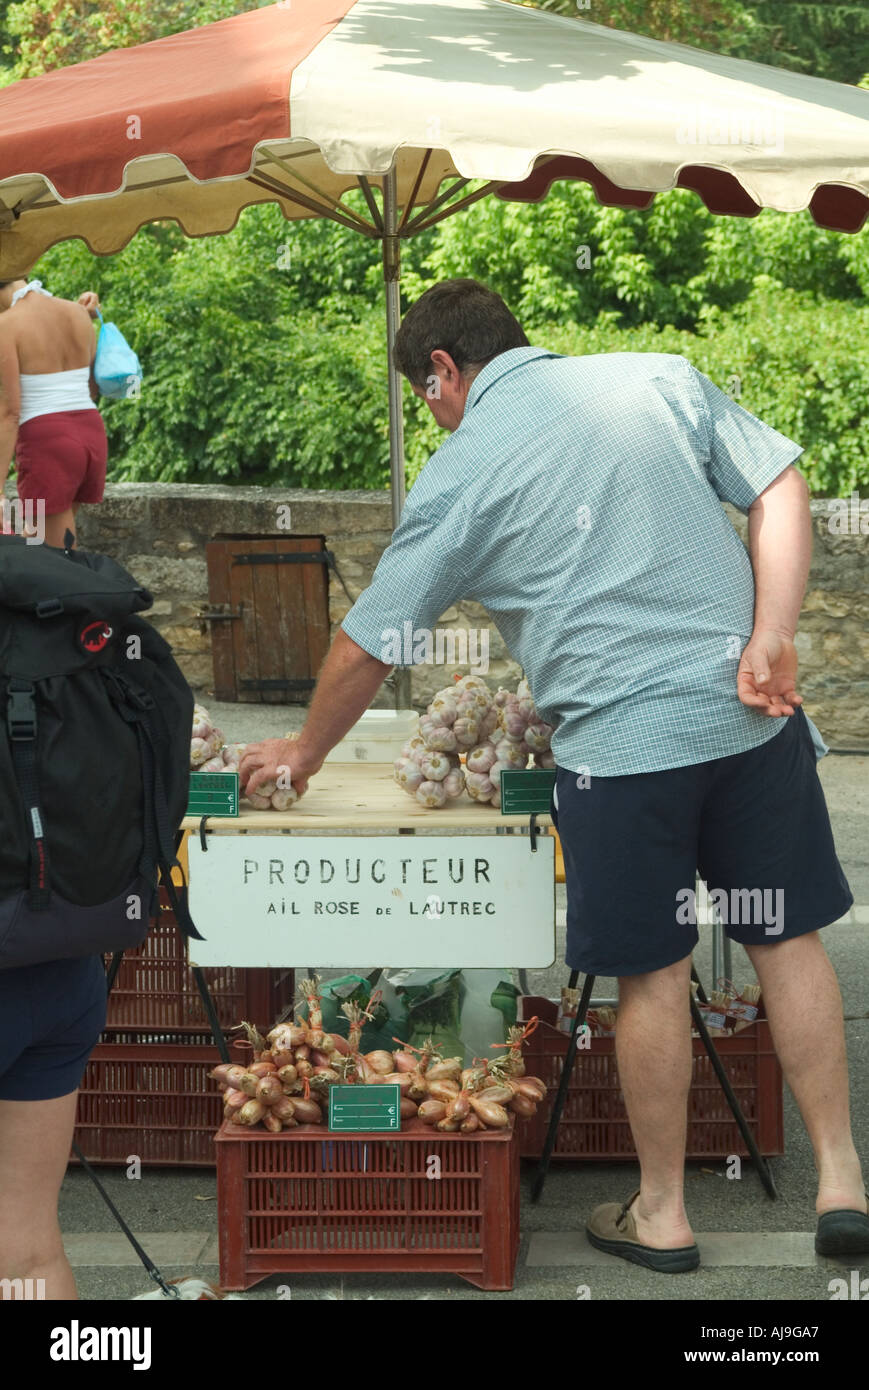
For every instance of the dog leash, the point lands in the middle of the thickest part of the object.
(153, 1271)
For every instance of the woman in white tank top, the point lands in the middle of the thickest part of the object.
(47, 410)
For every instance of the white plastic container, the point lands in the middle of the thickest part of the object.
(376, 738)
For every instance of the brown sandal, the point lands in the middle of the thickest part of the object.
(612, 1228)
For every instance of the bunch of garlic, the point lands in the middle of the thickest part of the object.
(491, 731)
(522, 727)
(209, 752)
(519, 733)
(206, 743)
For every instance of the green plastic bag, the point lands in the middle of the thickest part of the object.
(357, 989)
(463, 1011)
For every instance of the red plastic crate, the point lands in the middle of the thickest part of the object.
(594, 1122)
(310, 1202)
(153, 1099)
(155, 987)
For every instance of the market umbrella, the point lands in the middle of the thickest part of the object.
(440, 102)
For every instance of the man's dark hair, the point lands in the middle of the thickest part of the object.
(463, 318)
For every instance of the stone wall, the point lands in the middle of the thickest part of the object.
(159, 530)
(832, 640)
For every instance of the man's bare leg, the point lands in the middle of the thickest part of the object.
(804, 1007)
(653, 1050)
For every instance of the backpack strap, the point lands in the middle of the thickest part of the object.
(166, 855)
(158, 851)
(21, 725)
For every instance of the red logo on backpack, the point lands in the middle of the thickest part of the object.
(94, 636)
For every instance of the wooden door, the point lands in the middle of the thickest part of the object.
(269, 616)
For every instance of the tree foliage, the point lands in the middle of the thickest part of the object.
(825, 38)
(48, 34)
(722, 25)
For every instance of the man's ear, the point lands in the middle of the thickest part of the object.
(442, 359)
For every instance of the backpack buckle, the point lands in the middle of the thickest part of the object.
(20, 713)
(49, 608)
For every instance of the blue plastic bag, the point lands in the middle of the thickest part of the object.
(117, 370)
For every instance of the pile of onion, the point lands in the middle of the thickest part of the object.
(293, 1067)
(287, 1084)
(484, 1095)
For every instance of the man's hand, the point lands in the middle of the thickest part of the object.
(767, 674)
(90, 301)
(276, 758)
(349, 680)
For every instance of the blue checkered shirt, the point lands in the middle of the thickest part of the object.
(579, 501)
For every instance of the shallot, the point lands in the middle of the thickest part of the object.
(442, 1090)
(307, 1112)
(250, 1113)
(430, 1111)
(493, 1114)
(380, 1061)
(269, 1090)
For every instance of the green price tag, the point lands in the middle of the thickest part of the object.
(524, 792)
(213, 794)
(365, 1108)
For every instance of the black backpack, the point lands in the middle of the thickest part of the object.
(95, 721)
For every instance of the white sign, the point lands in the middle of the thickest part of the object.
(341, 900)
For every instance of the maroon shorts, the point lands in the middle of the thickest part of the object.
(61, 458)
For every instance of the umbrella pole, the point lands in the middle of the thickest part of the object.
(392, 283)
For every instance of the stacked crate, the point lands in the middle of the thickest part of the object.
(594, 1122)
(146, 1091)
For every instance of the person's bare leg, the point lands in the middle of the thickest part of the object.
(653, 1051)
(57, 525)
(35, 1139)
(804, 1007)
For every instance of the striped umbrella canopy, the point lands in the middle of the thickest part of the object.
(437, 102)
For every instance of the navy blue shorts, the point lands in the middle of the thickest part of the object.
(50, 1019)
(753, 825)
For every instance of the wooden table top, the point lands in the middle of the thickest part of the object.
(364, 796)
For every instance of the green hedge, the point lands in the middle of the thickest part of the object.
(264, 350)
(802, 365)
